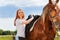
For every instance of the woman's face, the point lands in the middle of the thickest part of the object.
(53, 2)
(20, 13)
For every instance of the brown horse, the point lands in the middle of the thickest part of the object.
(46, 30)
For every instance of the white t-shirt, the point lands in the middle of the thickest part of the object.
(20, 28)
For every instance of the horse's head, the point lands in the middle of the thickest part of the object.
(55, 17)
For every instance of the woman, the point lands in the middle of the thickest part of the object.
(20, 23)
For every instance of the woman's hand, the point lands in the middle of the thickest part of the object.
(28, 21)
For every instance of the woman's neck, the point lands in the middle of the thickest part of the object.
(21, 18)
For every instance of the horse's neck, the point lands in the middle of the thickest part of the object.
(41, 20)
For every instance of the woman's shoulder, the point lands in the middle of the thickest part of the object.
(20, 19)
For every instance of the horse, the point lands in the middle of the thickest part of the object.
(44, 31)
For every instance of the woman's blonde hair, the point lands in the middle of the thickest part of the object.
(17, 16)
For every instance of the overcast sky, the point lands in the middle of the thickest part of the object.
(8, 10)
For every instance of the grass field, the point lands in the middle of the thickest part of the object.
(6, 37)
(10, 37)
(57, 38)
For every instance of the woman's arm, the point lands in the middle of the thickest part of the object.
(27, 21)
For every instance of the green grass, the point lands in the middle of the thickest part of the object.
(57, 38)
(10, 37)
(6, 37)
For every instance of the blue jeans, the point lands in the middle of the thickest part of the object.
(16, 37)
(19, 38)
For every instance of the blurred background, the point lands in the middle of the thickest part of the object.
(8, 10)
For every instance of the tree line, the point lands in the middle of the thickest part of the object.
(2, 32)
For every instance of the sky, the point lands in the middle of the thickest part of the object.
(8, 10)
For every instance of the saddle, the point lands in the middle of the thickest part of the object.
(29, 26)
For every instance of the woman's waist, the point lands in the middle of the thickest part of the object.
(21, 35)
